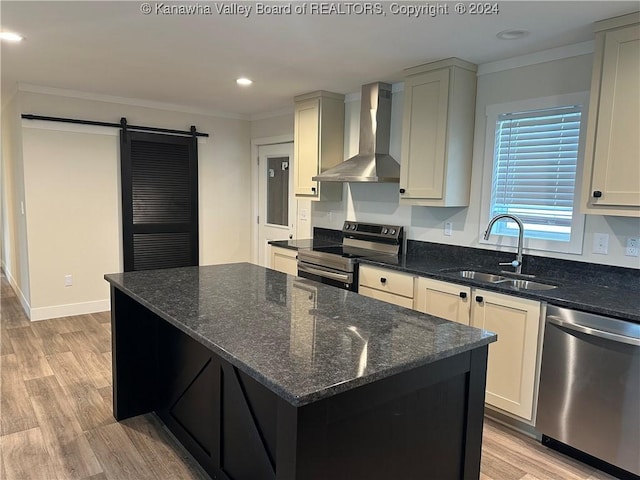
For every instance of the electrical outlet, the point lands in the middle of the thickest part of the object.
(633, 247)
(601, 243)
(447, 229)
(68, 281)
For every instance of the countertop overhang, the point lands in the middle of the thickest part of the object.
(303, 340)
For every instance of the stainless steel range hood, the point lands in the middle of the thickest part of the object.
(373, 162)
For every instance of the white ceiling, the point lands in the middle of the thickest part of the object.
(111, 48)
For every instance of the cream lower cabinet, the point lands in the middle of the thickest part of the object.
(387, 285)
(612, 166)
(512, 372)
(443, 299)
(284, 260)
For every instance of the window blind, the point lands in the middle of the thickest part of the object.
(534, 174)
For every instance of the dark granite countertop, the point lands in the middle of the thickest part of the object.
(303, 340)
(589, 290)
(600, 289)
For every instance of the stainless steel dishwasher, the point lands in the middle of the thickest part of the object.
(589, 397)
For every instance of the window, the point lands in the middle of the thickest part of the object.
(534, 157)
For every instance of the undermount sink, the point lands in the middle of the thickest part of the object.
(526, 284)
(517, 283)
(480, 276)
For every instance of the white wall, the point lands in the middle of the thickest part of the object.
(379, 202)
(73, 219)
(15, 260)
(72, 196)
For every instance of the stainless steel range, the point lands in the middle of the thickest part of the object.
(337, 265)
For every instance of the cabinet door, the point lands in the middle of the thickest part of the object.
(284, 260)
(306, 140)
(511, 368)
(443, 299)
(616, 169)
(424, 135)
(386, 297)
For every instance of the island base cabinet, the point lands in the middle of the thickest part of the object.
(422, 423)
(407, 427)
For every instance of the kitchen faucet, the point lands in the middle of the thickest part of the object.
(517, 263)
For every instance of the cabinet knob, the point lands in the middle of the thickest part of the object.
(463, 294)
(383, 280)
(479, 299)
(402, 190)
(597, 194)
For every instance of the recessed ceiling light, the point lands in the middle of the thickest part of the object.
(11, 37)
(512, 34)
(244, 81)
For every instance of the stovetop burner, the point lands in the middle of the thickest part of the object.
(345, 251)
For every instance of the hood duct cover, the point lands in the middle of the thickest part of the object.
(373, 162)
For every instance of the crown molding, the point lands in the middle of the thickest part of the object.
(559, 53)
(276, 113)
(138, 102)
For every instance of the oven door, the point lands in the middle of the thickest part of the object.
(328, 276)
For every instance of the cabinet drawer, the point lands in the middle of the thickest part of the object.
(385, 280)
(386, 297)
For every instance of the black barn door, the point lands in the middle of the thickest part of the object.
(159, 200)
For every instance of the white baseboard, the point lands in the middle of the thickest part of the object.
(23, 301)
(56, 311)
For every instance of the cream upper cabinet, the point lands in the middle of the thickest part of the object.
(318, 143)
(612, 155)
(284, 260)
(437, 134)
(443, 299)
(512, 369)
(387, 285)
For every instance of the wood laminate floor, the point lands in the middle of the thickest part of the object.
(56, 420)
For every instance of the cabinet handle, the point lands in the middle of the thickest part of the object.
(479, 299)
(463, 294)
(383, 280)
(402, 190)
(597, 193)
(313, 189)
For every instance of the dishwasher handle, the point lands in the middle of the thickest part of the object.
(615, 337)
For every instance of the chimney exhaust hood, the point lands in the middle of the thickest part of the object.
(373, 162)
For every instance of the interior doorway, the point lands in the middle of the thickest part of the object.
(277, 209)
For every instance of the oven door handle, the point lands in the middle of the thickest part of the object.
(340, 277)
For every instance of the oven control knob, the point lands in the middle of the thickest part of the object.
(393, 231)
(385, 231)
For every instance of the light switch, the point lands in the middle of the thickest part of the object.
(447, 229)
(601, 243)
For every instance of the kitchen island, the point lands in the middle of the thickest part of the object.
(262, 375)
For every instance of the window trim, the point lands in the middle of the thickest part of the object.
(577, 227)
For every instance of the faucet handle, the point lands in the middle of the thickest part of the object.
(514, 263)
